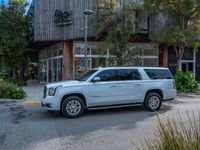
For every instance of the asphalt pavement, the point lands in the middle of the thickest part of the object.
(28, 127)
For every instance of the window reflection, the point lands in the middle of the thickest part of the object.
(96, 57)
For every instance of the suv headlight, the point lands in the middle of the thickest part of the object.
(52, 90)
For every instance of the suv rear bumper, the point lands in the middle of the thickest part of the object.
(171, 94)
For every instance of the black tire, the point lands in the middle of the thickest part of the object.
(71, 112)
(153, 97)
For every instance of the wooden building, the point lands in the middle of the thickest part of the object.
(59, 40)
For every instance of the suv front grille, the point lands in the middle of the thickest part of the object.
(45, 91)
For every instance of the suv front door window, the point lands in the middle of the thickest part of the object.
(107, 76)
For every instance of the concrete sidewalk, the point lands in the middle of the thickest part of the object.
(34, 92)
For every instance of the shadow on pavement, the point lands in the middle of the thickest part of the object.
(94, 120)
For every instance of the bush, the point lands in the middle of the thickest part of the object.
(177, 134)
(185, 82)
(1, 78)
(8, 90)
(17, 82)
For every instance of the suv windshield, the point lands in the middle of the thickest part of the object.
(85, 76)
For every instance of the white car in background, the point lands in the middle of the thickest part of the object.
(111, 87)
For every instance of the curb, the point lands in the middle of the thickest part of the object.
(4, 100)
(24, 101)
(31, 102)
(188, 94)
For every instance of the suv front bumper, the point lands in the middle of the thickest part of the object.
(50, 103)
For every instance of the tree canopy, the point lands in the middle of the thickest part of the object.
(115, 26)
(184, 30)
(14, 26)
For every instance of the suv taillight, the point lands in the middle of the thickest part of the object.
(174, 84)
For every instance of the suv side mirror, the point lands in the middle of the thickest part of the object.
(96, 79)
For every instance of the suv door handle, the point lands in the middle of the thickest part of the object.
(113, 86)
(138, 84)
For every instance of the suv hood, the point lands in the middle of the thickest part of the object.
(63, 83)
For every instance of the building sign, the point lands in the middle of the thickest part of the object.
(62, 18)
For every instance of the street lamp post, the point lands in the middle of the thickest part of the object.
(86, 12)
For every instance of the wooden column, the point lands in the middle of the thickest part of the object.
(163, 54)
(68, 60)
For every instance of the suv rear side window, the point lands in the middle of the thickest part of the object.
(158, 73)
(128, 74)
(107, 75)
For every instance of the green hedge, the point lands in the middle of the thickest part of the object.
(8, 90)
(185, 82)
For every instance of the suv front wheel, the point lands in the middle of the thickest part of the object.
(72, 107)
(153, 101)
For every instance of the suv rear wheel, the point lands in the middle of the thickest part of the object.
(72, 107)
(153, 101)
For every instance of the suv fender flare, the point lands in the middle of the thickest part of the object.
(82, 96)
(159, 91)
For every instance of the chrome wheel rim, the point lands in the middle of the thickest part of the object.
(154, 102)
(73, 107)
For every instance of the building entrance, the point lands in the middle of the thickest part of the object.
(43, 71)
(187, 66)
(55, 69)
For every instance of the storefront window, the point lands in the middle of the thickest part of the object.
(49, 54)
(150, 62)
(150, 52)
(55, 52)
(60, 52)
(96, 56)
(43, 71)
(145, 54)
(51, 65)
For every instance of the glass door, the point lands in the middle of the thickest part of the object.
(187, 66)
(60, 75)
(43, 71)
(55, 70)
(50, 67)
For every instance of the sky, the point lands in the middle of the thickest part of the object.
(6, 1)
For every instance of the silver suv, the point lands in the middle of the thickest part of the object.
(109, 88)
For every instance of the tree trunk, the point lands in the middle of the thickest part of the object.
(178, 64)
(179, 55)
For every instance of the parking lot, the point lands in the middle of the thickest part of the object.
(29, 127)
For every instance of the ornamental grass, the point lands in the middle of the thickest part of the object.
(176, 133)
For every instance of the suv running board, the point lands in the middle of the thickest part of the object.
(114, 106)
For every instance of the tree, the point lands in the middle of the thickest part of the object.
(184, 31)
(14, 26)
(116, 26)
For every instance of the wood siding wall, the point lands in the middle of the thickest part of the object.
(156, 23)
(45, 27)
(47, 30)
